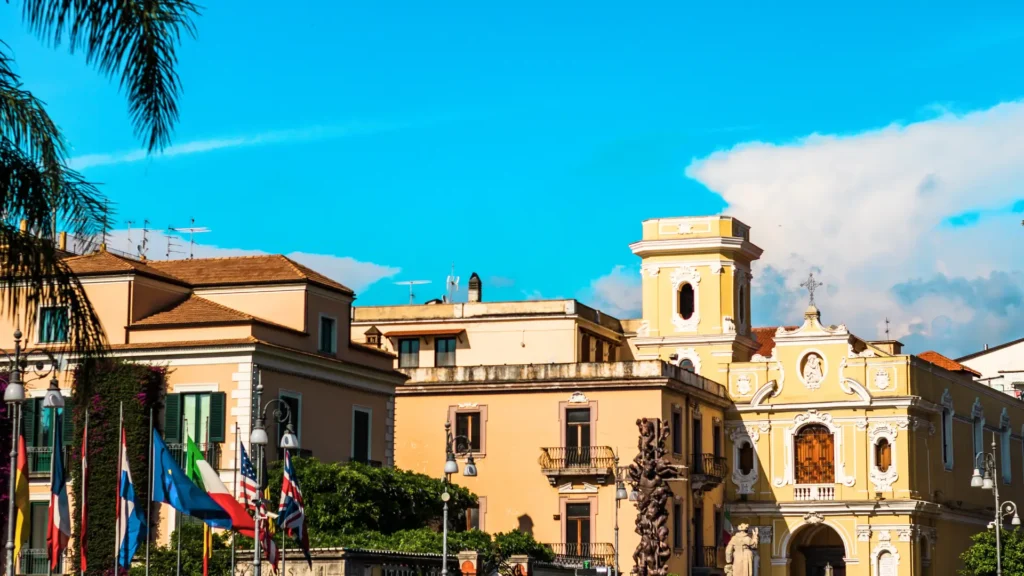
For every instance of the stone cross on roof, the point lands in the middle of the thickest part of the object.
(811, 284)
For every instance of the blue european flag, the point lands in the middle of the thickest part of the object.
(172, 486)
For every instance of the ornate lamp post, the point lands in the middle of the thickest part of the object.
(21, 373)
(454, 446)
(985, 463)
(620, 495)
(258, 443)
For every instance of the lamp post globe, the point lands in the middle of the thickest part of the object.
(289, 441)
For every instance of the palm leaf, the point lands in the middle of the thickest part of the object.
(133, 39)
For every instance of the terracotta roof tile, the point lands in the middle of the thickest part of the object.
(941, 361)
(765, 336)
(198, 310)
(239, 270)
(103, 262)
(185, 344)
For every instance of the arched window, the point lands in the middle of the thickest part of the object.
(883, 455)
(979, 435)
(1004, 455)
(741, 307)
(746, 463)
(815, 455)
(686, 364)
(947, 438)
(686, 301)
(886, 564)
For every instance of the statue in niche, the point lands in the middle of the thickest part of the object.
(812, 370)
(741, 553)
(649, 474)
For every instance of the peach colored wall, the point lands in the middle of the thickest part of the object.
(152, 296)
(334, 306)
(109, 299)
(190, 334)
(285, 305)
(326, 419)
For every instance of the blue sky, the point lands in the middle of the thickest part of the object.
(527, 142)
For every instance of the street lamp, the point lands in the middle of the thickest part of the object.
(454, 446)
(620, 495)
(984, 477)
(257, 443)
(20, 372)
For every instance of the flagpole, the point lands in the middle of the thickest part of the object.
(234, 493)
(53, 457)
(283, 546)
(117, 520)
(149, 491)
(85, 435)
(177, 524)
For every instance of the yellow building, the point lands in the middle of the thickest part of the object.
(216, 324)
(843, 452)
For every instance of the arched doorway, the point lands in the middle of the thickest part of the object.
(815, 547)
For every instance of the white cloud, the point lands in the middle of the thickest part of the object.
(869, 211)
(617, 293)
(211, 144)
(353, 273)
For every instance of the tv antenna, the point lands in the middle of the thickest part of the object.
(192, 230)
(886, 327)
(172, 246)
(410, 284)
(452, 283)
(144, 247)
(106, 223)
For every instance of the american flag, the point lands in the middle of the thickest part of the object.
(246, 482)
(291, 514)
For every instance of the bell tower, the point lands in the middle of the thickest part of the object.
(696, 292)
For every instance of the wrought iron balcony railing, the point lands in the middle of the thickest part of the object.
(576, 554)
(577, 461)
(706, 557)
(706, 471)
(211, 453)
(34, 561)
(40, 458)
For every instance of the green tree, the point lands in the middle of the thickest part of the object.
(132, 40)
(163, 560)
(980, 558)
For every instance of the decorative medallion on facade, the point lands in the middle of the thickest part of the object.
(864, 533)
(743, 385)
(813, 518)
(578, 398)
(685, 275)
(812, 369)
(881, 380)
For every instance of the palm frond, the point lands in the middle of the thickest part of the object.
(24, 121)
(133, 39)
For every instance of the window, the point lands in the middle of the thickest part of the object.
(409, 353)
(979, 434)
(294, 403)
(1004, 455)
(677, 432)
(444, 351)
(686, 301)
(361, 418)
(577, 529)
(38, 425)
(886, 564)
(467, 425)
(687, 364)
(473, 518)
(741, 306)
(883, 455)
(746, 464)
(677, 526)
(717, 440)
(328, 335)
(718, 528)
(947, 437)
(815, 456)
(577, 436)
(698, 530)
(33, 559)
(585, 348)
(53, 324)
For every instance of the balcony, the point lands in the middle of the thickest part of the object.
(34, 561)
(39, 459)
(706, 562)
(211, 453)
(577, 555)
(561, 462)
(706, 471)
(814, 492)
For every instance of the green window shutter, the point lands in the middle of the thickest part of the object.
(29, 410)
(218, 416)
(172, 418)
(69, 421)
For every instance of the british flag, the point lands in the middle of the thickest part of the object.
(291, 513)
(247, 490)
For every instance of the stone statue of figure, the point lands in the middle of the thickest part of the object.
(739, 554)
(812, 369)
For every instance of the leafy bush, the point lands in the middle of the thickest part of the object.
(163, 560)
(980, 558)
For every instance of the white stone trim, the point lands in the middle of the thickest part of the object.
(685, 275)
(883, 481)
(884, 546)
(824, 368)
(799, 421)
(741, 435)
(688, 354)
(812, 519)
(193, 388)
(947, 428)
(978, 426)
(763, 393)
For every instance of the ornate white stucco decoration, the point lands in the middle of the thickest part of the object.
(812, 416)
(812, 368)
(864, 533)
(977, 410)
(696, 409)
(881, 379)
(865, 353)
(764, 534)
(685, 228)
(813, 518)
(764, 392)
(578, 398)
(905, 534)
(851, 386)
(1004, 420)
(718, 268)
(688, 354)
(728, 326)
(685, 275)
(760, 358)
(651, 269)
(884, 536)
(741, 437)
(881, 547)
(883, 481)
(743, 384)
(644, 330)
(468, 404)
(947, 399)
(570, 489)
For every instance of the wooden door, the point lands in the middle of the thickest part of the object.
(815, 455)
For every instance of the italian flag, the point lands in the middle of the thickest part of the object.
(726, 528)
(203, 475)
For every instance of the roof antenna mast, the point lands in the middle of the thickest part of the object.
(452, 283)
(410, 284)
(144, 247)
(192, 230)
(172, 246)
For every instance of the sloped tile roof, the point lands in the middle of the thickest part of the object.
(238, 270)
(765, 336)
(103, 262)
(198, 310)
(941, 361)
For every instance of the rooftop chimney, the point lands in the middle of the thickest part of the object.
(475, 288)
(62, 241)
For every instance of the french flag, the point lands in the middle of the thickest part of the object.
(131, 525)
(58, 529)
